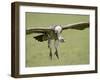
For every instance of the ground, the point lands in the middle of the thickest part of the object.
(75, 49)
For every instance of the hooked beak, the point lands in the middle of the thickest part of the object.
(61, 40)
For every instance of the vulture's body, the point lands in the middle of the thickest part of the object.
(54, 33)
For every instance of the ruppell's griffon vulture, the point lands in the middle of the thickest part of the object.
(54, 33)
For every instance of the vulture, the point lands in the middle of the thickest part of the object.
(54, 33)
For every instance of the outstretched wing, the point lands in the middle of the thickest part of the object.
(40, 37)
(37, 30)
(78, 26)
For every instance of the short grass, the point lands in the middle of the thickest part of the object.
(75, 49)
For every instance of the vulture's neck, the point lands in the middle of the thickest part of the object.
(58, 30)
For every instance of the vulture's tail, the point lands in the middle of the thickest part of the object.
(41, 37)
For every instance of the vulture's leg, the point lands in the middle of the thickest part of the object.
(50, 47)
(56, 44)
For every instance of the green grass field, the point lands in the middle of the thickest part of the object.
(75, 49)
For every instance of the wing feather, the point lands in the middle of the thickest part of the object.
(38, 30)
(78, 26)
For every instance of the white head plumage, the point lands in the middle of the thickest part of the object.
(58, 29)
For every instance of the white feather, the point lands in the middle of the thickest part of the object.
(58, 29)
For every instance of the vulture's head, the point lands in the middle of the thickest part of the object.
(58, 29)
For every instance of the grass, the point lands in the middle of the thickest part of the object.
(75, 49)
